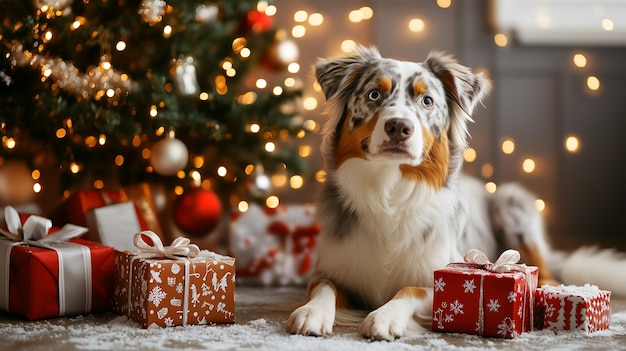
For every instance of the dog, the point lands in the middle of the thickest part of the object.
(396, 205)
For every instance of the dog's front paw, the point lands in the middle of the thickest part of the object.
(383, 324)
(311, 320)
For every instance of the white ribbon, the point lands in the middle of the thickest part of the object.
(506, 263)
(181, 249)
(74, 280)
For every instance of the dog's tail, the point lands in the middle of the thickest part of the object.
(605, 268)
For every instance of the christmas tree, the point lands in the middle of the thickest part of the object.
(116, 92)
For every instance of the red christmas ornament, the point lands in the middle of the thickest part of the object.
(197, 212)
(258, 21)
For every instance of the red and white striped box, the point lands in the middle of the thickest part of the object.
(572, 308)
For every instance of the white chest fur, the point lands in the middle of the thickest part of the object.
(405, 230)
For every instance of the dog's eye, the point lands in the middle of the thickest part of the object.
(373, 95)
(427, 101)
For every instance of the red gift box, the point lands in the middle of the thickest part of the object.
(572, 308)
(63, 278)
(167, 286)
(74, 208)
(469, 298)
(112, 216)
(275, 246)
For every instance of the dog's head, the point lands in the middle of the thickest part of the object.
(411, 114)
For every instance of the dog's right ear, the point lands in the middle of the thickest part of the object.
(336, 73)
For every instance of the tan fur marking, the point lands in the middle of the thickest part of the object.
(384, 84)
(351, 140)
(535, 259)
(419, 88)
(410, 291)
(434, 168)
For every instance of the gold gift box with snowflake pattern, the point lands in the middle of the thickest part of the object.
(167, 292)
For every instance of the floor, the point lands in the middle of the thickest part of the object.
(261, 314)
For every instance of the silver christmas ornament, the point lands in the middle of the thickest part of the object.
(183, 73)
(169, 156)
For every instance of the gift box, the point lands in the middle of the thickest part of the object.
(274, 246)
(114, 225)
(49, 273)
(173, 285)
(112, 217)
(572, 308)
(484, 298)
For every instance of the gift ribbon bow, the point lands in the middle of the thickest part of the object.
(74, 276)
(507, 262)
(35, 229)
(180, 247)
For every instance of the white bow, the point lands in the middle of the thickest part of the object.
(35, 228)
(180, 247)
(507, 262)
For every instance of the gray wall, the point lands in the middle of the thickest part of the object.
(539, 98)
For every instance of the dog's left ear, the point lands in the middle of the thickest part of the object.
(464, 90)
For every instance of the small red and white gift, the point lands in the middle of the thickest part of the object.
(48, 272)
(572, 308)
(483, 298)
(179, 284)
(274, 246)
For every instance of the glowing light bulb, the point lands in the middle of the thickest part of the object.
(580, 60)
(508, 146)
(296, 182)
(572, 144)
(316, 19)
(444, 4)
(501, 40)
(348, 46)
(310, 103)
(540, 205)
(355, 16)
(486, 170)
(366, 12)
(272, 201)
(416, 25)
(270, 146)
(298, 31)
(528, 165)
(261, 83)
(300, 16)
(469, 155)
(242, 206)
(491, 187)
(593, 83)
(222, 171)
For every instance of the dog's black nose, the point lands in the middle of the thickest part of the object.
(399, 129)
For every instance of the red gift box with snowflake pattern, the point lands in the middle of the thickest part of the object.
(572, 308)
(470, 299)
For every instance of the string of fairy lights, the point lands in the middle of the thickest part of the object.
(104, 82)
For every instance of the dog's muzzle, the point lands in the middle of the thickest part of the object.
(399, 129)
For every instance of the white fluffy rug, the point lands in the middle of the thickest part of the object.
(260, 326)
